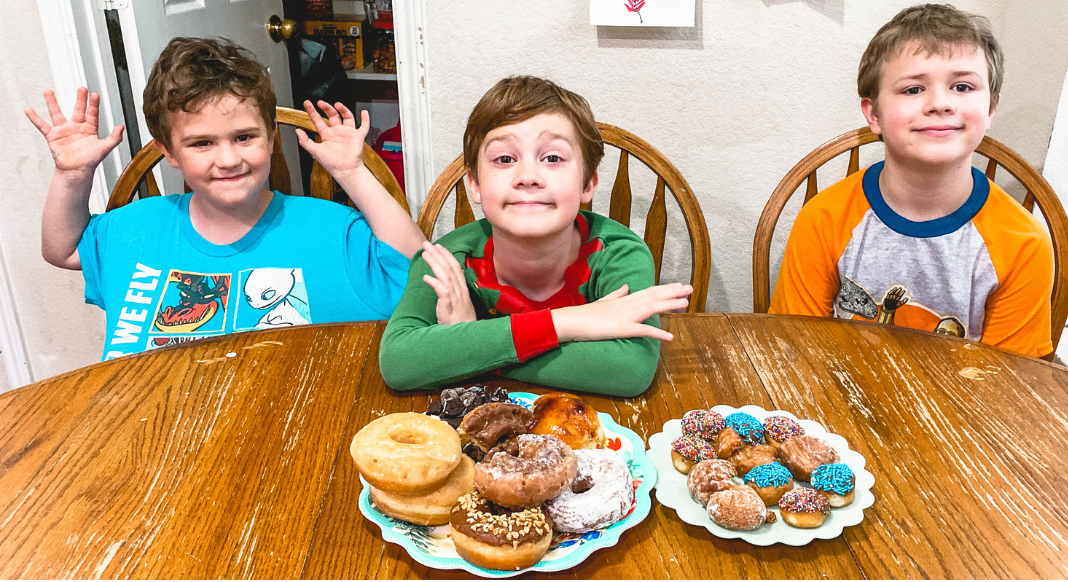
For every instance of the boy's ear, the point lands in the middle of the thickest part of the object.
(591, 188)
(167, 153)
(867, 107)
(473, 188)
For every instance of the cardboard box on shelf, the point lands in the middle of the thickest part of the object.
(351, 51)
(350, 28)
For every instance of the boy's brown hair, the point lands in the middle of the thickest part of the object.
(192, 71)
(937, 29)
(517, 99)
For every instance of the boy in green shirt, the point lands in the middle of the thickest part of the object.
(538, 290)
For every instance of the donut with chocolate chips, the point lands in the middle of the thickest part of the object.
(497, 538)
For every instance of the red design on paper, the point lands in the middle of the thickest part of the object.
(635, 6)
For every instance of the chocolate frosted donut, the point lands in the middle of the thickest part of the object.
(542, 469)
(803, 454)
(708, 477)
(608, 498)
(489, 423)
(494, 537)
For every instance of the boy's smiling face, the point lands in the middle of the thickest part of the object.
(933, 109)
(223, 151)
(530, 177)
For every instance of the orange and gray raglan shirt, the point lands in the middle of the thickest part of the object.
(984, 272)
(514, 336)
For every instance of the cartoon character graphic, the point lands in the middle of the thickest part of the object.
(895, 297)
(951, 326)
(191, 301)
(854, 299)
(282, 292)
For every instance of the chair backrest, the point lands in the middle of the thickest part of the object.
(322, 185)
(667, 176)
(998, 154)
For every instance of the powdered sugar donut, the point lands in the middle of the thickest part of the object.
(607, 500)
(542, 467)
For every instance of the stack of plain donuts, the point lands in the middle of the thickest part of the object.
(768, 457)
(539, 471)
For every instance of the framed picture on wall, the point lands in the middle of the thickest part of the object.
(643, 12)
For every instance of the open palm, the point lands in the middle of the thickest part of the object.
(75, 143)
(340, 148)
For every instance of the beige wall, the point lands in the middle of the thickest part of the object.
(734, 103)
(61, 332)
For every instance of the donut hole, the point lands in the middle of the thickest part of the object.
(409, 437)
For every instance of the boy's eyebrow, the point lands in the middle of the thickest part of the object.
(250, 129)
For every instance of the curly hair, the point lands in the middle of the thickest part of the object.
(517, 99)
(190, 72)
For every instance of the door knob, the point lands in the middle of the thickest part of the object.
(281, 29)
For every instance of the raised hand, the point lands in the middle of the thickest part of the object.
(454, 301)
(340, 149)
(620, 314)
(75, 143)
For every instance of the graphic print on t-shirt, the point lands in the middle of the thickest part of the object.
(271, 297)
(192, 303)
(896, 308)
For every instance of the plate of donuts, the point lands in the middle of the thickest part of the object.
(455, 545)
(766, 477)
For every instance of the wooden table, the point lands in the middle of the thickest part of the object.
(229, 458)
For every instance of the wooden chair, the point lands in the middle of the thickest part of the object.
(1038, 192)
(322, 185)
(452, 179)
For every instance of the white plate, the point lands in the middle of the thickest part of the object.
(671, 490)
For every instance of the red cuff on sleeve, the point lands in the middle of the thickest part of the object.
(533, 333)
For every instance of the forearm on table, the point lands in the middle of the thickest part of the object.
(418, 355)
(389, 222)
(66, 212)
(622, 367)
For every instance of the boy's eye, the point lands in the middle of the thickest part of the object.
(913, 91)
(553, 159)
(201, 144)
(962, 87)
(505, 159)
(245, 137)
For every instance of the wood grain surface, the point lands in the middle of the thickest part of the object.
(228, 458)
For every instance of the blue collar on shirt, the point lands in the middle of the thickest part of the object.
(203, 245)
(930, 228)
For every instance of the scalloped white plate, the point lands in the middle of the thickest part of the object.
(431, 546)
(671, 490)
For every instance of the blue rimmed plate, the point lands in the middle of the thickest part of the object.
(432, 547)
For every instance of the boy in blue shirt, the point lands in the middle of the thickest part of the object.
(230, 255)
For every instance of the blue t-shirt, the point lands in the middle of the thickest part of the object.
(306, 261)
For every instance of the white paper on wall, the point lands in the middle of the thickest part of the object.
(643, 12)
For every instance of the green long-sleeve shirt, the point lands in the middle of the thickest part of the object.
(417, 353)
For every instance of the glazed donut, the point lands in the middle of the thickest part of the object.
(836, 482)
(489, 423)
(737, 508)
(406, 453)
(728, 442)
(779, 428)
(570, 419)
(754, 456)
(771, 482)
(493, 537)
(542, 469)
(803, 454)
(608, 500)
(432, 508)
(705, 424)
(688, 450)
(747, 427)
(804, 507)
(708, 477)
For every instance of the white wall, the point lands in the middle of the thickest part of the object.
(61, 332)
(734, 103)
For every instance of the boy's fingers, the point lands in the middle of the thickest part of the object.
(346, 114)
(331, 113)
(80, 105)
(92, 111)
(365, 124)
(437, 286)
(115, 138)
(621, 292)
(53, 107)
(316, 118)
(654, 332)
(42, 126)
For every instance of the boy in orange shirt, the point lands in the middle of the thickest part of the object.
(924, 240)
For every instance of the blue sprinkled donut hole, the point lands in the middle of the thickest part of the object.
(747, 426)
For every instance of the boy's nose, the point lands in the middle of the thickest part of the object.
(939, 101)
(226, 156)
(529, 174)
